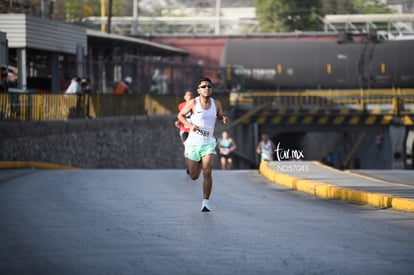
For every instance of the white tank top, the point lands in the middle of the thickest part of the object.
(205, 120)
(267, 151)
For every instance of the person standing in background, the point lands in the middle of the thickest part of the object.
(85, 87)
(14, 98)
(122, 87)
(266, 148)
(4, 82)
(226, 148)
(86, 92)
(74, 86)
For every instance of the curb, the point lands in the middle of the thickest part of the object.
(329, 191)
(32, 164)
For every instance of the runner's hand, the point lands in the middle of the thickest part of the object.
(225, 120)
(193, 127)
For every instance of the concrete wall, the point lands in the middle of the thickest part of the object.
(123, 142)
(153, 142)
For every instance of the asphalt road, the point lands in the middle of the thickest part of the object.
(149, 222)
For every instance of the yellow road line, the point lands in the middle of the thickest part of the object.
(32, 164)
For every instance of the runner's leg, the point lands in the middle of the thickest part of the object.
(223, 162)
(207, 165)
(229, 163)
(194, 168)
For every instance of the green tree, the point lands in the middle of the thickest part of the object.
(291, 15)
(288, 15)
(372, 6)
(337, 7)
(76, 10)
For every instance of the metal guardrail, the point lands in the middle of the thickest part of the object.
(392, 100)
(26, 106)
(19, 106)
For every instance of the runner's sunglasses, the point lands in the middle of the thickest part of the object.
(205, 86)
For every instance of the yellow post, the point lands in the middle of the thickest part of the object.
(383, 68)
(38, 101)
(103, 6)
(361, 100)
(328, 68)
(279, 69)
(228, 72)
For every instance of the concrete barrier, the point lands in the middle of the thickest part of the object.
(330, 190)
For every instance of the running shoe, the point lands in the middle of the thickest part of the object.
(204, 206)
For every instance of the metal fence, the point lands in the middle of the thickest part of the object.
(22, 106)
(152, 75)
(17, 106)
(393, 100)
(25, 106)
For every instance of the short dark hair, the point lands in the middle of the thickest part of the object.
(204, 79)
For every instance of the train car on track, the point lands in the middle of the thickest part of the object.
(308, 65)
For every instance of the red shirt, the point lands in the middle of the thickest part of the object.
(183, 128)
(121, 88)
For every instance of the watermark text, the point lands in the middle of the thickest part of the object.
(288, 154)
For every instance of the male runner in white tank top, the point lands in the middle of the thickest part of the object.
(200, 146)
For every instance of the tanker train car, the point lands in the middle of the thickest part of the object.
(299, 65)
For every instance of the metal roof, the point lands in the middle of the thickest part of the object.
(30, 32)
(96, 38)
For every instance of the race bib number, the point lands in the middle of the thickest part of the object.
(202, 132)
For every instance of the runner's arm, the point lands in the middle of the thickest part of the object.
(177, 123)
(185, 110)
(220, 115)
(259, 149)
(273, 146)
(234, 146)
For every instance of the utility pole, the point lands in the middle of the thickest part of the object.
(218, 8)
(134, 25)
(43, 8)
(108, 30)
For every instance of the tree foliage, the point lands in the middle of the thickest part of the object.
(273, 15)
(76, 10)
(372, 6)
(292, 15)
(337, 7)
(287, 15)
